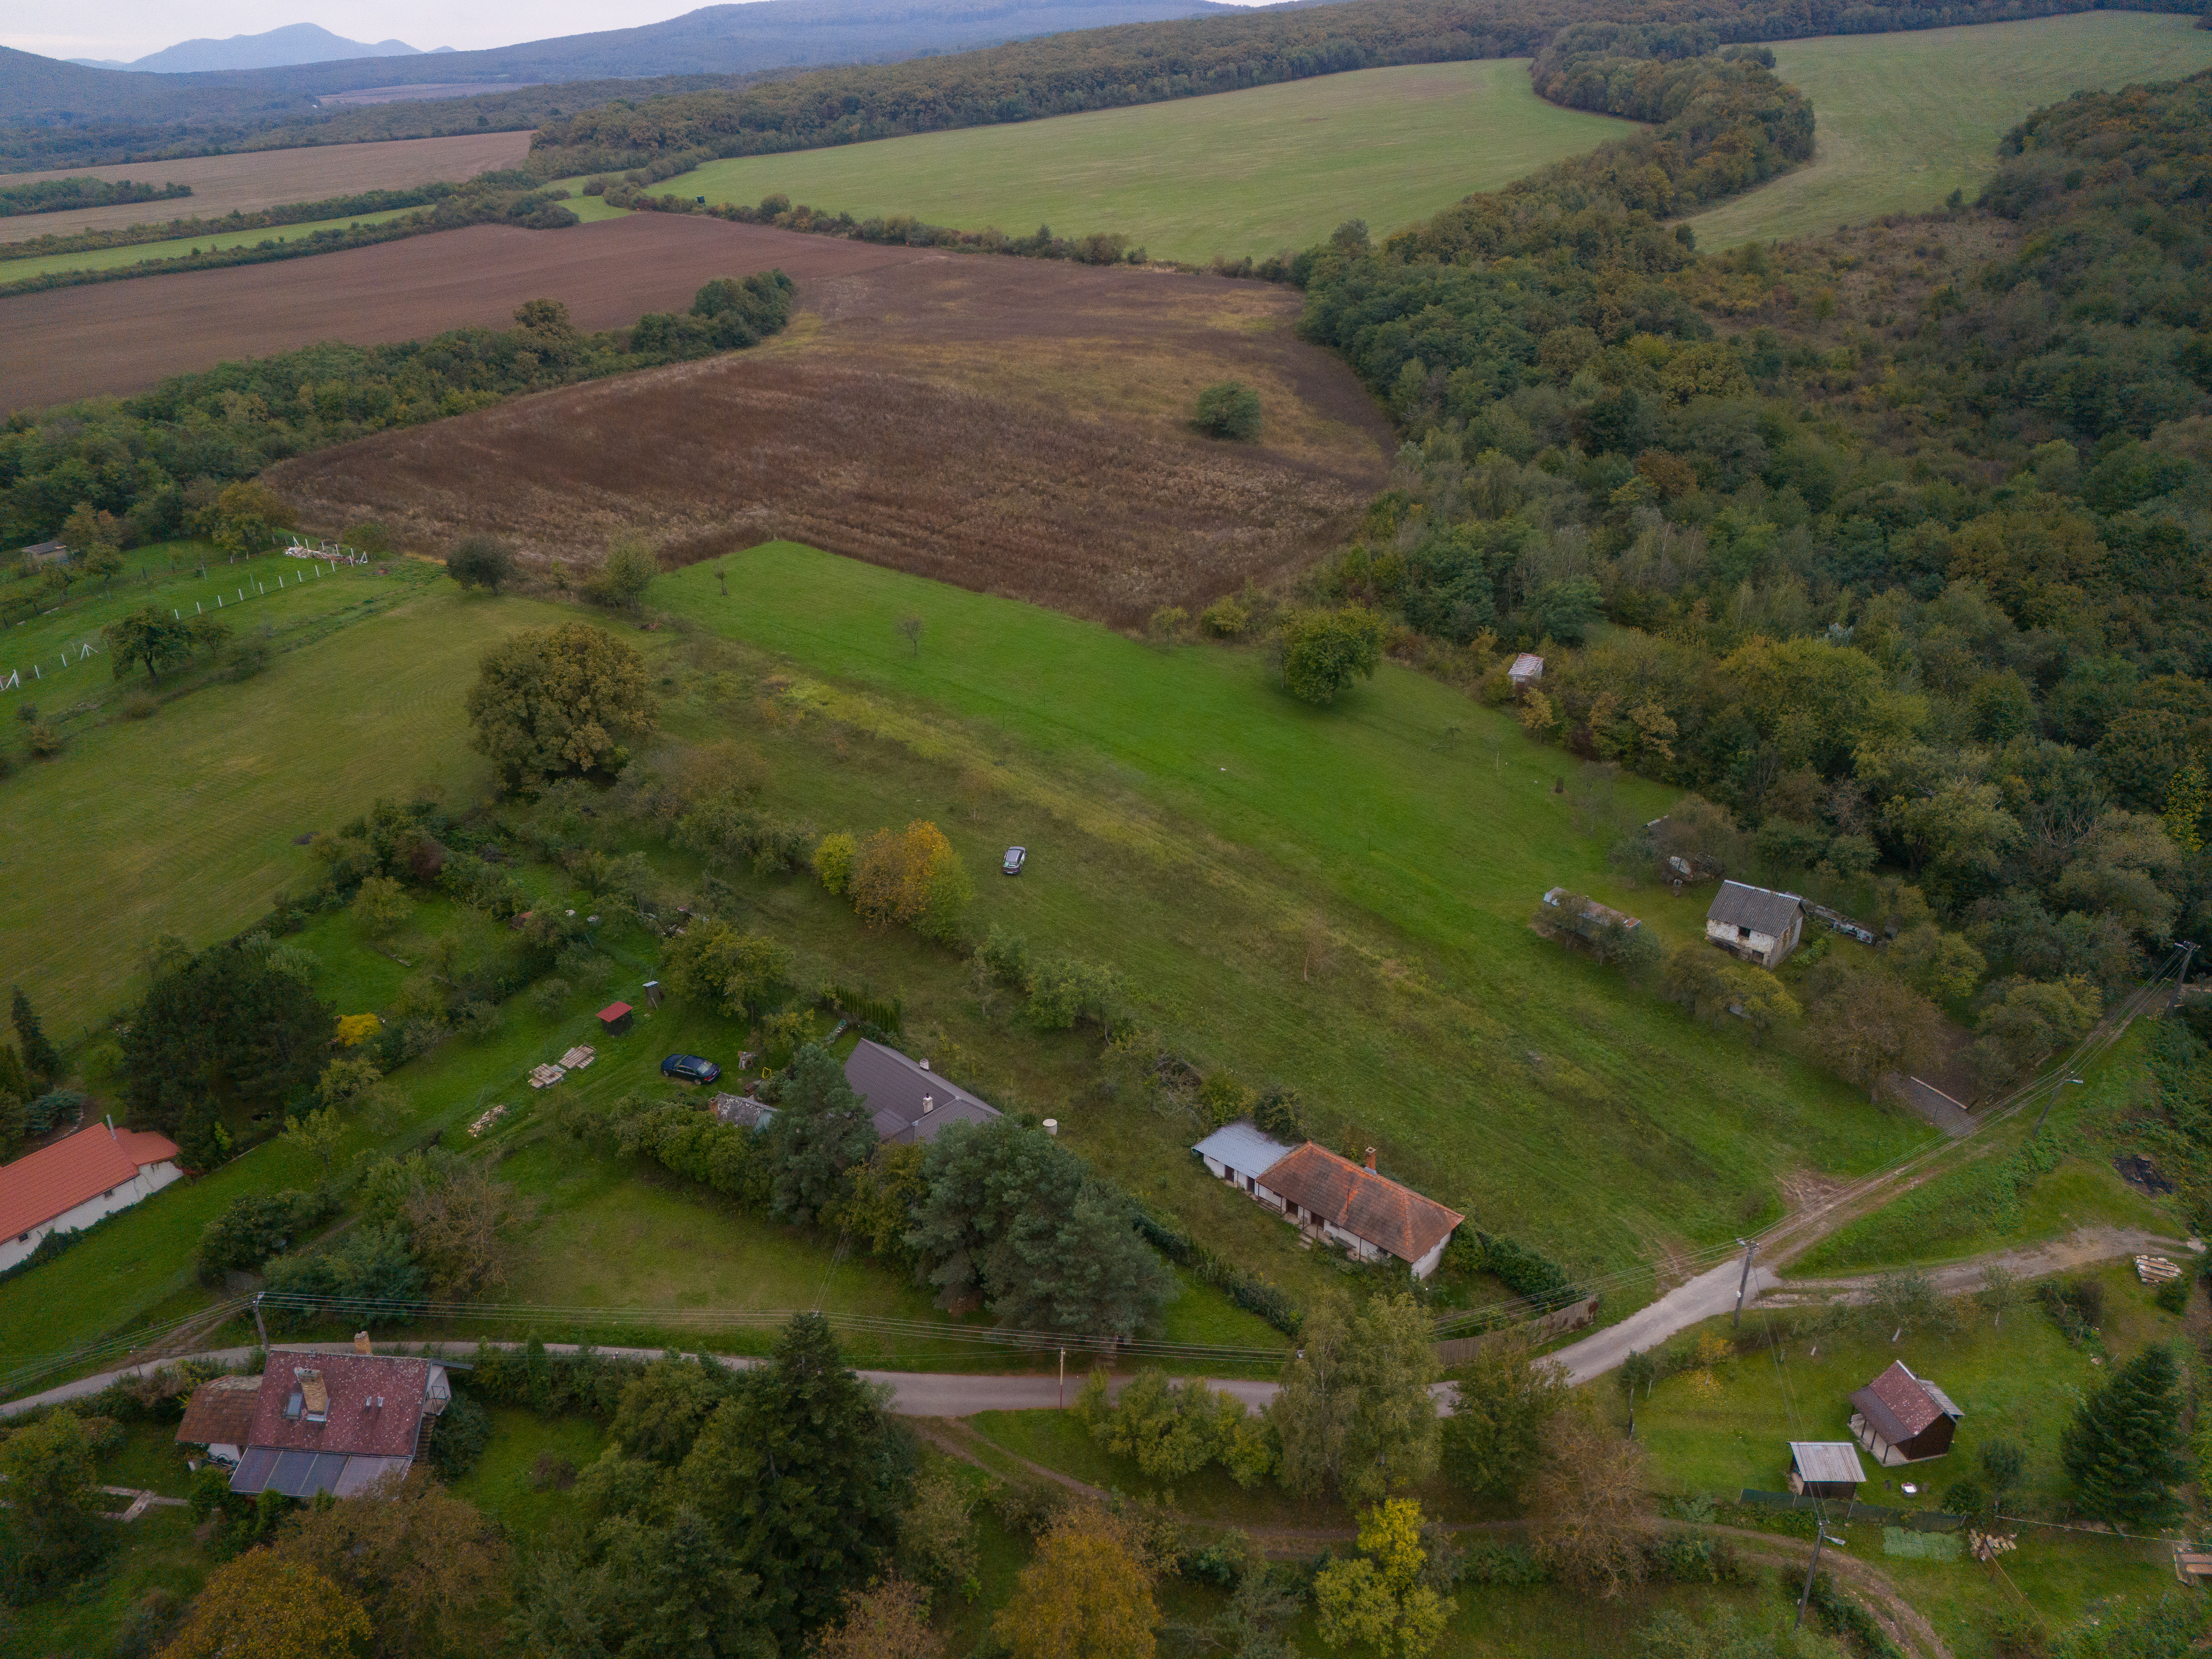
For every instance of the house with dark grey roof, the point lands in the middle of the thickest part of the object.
(1825, 1469)
(908, 1101)
(1343, 1203)
(1756, 923)
(339, 1423)
(1903, 1418)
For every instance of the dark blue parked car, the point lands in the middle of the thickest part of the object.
(689, 1068)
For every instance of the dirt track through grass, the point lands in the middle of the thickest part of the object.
(1904, 119)
(1236, 174)
(250, 181)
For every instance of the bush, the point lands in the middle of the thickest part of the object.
(1224, 619)
(462, 1431)
(1228, 409)
(833, 862)
(482, 562)
(139, 705)
(46, 742)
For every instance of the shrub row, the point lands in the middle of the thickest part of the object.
(1253, 1294)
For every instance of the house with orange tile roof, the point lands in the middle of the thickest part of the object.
(1333, 1199)
(77, 1181)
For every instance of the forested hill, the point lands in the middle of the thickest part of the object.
(1147, 63)
(1902, 531)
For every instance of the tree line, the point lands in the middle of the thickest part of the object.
(139, 459)
(60, 195)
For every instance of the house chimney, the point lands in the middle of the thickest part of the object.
(928, 1104)
(360, 1343)
(111, 1135)
(923, 1064)
(1370, 1158)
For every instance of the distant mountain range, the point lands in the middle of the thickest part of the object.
(295, 43)
(724, 39)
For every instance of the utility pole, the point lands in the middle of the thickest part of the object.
(260, 1328)
(1063, 1379)
(1743, 1285)
(2188, 951)
(2055, 1087)
(1820, 1537)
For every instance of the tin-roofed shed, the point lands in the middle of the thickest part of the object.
(1825, 1469)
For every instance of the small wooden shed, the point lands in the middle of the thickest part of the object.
(1904, 1419)
(615, 1018)
(1825, 1469)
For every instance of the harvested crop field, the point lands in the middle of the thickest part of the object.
(117, 337)
(270, 178)
(1011, 426)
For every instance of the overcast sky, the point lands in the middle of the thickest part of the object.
(128, 29)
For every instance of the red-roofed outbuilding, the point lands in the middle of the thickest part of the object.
(75, 1181)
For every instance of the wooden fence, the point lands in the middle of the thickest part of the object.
(1460, 1349)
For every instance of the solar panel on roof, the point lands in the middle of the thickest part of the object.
(253, 1470)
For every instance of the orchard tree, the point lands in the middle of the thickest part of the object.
(624, 574)
(258, 1607)
(2123, 1451)
(246, 516)
(1354, 1413)
(558, 702)
(1872, 1024)
(1228, 409)
(1324, 651)
(382, 904)
(912, 878)
(740, 974)
(148, 637)
(483, 562)
(1087, 1594)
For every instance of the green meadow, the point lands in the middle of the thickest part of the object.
(24, 267)
(1904, 119)
(1235, 173)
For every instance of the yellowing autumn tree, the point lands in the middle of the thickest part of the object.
(260, 1607)
(911, 877)
(1087, 1595)
(1378, 1599)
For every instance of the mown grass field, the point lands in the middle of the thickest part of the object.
(1237, 173)
(1904, 119)
(112, 259)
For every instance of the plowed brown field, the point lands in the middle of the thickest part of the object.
(1010, 425)
(115, 337)
(270, 178)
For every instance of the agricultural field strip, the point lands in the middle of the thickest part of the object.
(248, 181)
(1237, 174)
(114, 259)
(1904, 119)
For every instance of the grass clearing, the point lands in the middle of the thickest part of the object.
(505, 1483)
(113, 258)
(1235, 173)
(1907, 118)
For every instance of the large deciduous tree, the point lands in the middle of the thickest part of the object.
(483, 562)
(258, 1607)
(1871, 1024)
(148, 638)
(560, 700)
(1381, 1597)
(1087, 1595)
(912, 877)
(1354, 1413)
(48, 1531)
(738, 975)
(227, 1023)
(1324, 651)
(1505, 1398)
(1589, 1495)
(428, 1566)
(2122, 1453)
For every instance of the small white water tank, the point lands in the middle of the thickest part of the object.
(1052, 1126)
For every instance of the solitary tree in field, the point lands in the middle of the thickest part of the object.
(146, 636)
(625, 574)
(483, 562)
(559, 701)
(911, 628)
(2122, 1450)
(912, 877)
(1324, 651)
(1228, 409)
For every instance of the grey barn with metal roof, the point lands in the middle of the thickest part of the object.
(1756, 923)
(908, 1101)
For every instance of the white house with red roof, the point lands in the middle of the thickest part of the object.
(77, 1181)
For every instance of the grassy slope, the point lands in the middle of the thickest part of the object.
(1240, 173)
(1904, 119)
(108, 258)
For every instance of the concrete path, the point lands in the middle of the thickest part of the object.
(1710, 1293)
(914, 1394)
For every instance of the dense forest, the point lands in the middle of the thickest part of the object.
(1142, 64)
(141, 460)
(1890, 543)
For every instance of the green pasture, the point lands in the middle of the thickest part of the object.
(15, 268)
(1904, 119)
(1234, 174)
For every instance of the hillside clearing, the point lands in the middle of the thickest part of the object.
(1904, 119)
(1236, 174)
(1015, 425)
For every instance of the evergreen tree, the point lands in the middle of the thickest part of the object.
(821, 1129)
(2122, 1450)
(805, 1477)
(38, 1056)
